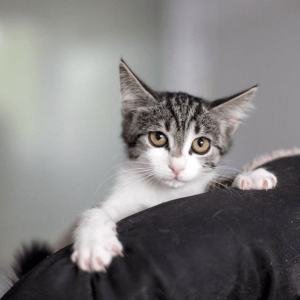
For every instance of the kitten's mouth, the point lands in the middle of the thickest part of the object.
(174, 183)
(179, 181)
(182, 180)
(175, 179)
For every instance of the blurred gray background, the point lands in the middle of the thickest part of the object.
(60, 99)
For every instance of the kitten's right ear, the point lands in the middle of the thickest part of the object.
(233, 109)
(135, 93)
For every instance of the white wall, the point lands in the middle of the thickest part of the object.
(217, 48)
(60, 106)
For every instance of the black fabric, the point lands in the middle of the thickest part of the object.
(222, 245)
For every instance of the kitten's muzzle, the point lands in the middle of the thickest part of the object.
(177, 165)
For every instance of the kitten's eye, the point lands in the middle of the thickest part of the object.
(201, 145)
(157, 139)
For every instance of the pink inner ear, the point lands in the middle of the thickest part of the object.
(235, 119)
(237, 114)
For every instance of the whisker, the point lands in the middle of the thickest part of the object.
(228, 167)
(138, 170)
(229, 176)
(135, 174)
(230, 189)
(127, 162)
(224, 186)
(141, 178)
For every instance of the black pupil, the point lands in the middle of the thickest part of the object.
(158, 136)
(200, 142)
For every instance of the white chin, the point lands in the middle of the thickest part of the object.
(174, 183)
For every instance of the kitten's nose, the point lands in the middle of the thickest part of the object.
(177, 165)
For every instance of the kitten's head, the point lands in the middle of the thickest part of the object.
(178, 137)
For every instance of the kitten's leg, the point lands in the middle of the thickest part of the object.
(259, 179)
(95, 241)
(95, 238)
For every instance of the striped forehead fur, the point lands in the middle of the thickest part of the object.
(146, 111)
(174, 113)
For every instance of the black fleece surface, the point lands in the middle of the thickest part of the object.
(222, 245)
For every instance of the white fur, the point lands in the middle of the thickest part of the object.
(160, 161)
(96, 241)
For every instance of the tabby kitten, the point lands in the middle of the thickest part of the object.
(173, 141)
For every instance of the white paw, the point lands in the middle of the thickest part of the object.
(259, 179)
(96, 243)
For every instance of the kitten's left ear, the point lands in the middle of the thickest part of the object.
(135, 93)
(233, 109)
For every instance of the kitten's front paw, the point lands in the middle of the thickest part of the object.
(94, 248)
(259, 179)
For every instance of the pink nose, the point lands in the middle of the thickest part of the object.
(177, 165)
(175, 169)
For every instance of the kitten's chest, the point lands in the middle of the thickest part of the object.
(190, 189)
(156, 195)
(143, 194)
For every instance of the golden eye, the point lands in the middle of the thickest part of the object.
(157, 139)
(201, 145)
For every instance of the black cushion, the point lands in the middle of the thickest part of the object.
(229, 244)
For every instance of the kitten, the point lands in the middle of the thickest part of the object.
(173, 142)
